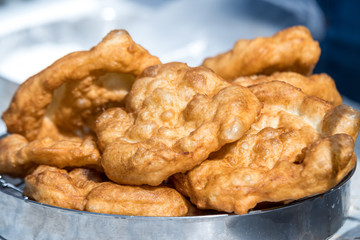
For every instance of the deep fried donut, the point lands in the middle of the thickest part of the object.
(292, 49)
(18, 155)
(299, 146)
(318, 85)
(76, 88)
(84, 189)
(175, 117)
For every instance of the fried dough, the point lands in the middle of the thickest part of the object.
(76, 88)
(292, 49)
(10, 163)
(86, 190)
(318, 85)
(299, 146)
(249, 126)
(175, 117)
(18, 155)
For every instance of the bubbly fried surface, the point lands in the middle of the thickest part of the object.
(318, 85)
(175, 117)
(18, 155)
(84, 189)
(292, 49)
(76, 88)
(299, 146)
(56, 107)
(249, 126)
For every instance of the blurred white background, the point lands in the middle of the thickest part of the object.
(35, 33)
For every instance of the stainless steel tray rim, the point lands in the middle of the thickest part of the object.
(315, 217)
(197, 217)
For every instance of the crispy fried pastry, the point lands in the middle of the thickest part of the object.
(76, 88)
(231, 143)
(10, 163)
(84, 189)
(299, 146)
(18, 155)
(175, 117)
(292, 49)
(318, 85)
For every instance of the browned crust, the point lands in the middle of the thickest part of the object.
(299, 146)
(84, 189)
(292, 49)
(176, 116)
(318, 85)
(117, 52)
(18, 156)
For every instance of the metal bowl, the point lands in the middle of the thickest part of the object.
(316, 217)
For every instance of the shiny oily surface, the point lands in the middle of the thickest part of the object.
(316, 217)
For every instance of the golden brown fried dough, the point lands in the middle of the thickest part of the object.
(292, 49)
(59, 188)
(76, 88)
(17, 155)
(111, 125)
(230, 145)
(175, 117)
(299, 146)
(160, 201)
(318, 85)
(10, 162)
(84, 189)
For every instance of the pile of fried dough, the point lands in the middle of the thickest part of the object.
(114, 130)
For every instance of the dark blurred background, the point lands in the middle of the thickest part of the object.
(340, 56)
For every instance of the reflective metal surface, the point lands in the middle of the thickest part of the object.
(317, 217)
